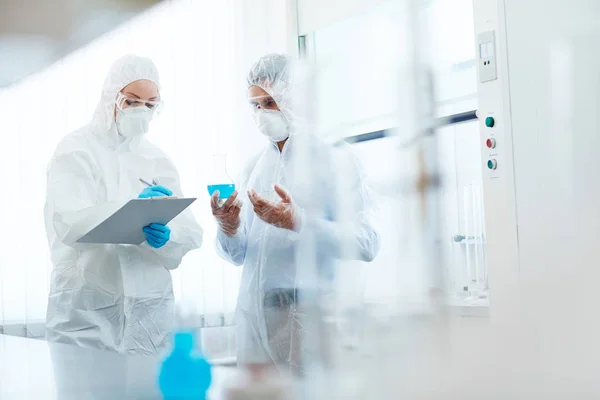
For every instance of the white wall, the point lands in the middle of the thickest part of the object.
(316, 14)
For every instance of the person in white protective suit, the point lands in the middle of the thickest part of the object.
(110, 296)
(261, 229)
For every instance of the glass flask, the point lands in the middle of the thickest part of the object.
(220, 179)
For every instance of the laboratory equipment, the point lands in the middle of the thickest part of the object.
(475, 284)
(539, 140)
(541, 195)
(538, 189)
(220, 179)
(354, 348)
(185, 374)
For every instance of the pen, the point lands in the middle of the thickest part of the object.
(147, 183)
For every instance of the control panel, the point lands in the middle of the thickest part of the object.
(486, 50)
(488, 73)
(491, 144)
(495, 138)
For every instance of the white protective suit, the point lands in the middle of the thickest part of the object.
(267, 315)
(115, 297)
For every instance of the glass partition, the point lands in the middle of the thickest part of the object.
(358, 90)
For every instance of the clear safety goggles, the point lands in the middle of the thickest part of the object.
(262, 103)
(124, 101)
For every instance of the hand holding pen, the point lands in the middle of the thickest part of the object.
(153, 190)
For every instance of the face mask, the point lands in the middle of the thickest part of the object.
(272, 124)
(134, 121)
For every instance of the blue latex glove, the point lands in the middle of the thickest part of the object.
(155, 191)
(157, 235)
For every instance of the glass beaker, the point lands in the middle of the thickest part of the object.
(220, 180)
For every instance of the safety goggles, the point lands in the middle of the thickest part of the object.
(124, 101)
(262, 103)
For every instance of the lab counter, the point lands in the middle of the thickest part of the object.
(35, 369)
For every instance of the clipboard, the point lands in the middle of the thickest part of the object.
(125, 225)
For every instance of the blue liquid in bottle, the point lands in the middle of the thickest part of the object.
(225, 184)
(184, 374)
(225, 190)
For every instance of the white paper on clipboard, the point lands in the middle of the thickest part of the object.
(125, 225)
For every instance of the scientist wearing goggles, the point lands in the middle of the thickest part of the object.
(259, 228)
(109, 296)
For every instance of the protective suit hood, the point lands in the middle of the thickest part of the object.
(273, 74)
(127, 69)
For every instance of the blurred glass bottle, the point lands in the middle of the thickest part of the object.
(185, 374)
(220, 179)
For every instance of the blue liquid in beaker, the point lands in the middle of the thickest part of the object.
(225, 190)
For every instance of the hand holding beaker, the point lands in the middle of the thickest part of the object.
(227, 215)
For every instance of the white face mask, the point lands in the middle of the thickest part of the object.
(134, 121)
(272, 124)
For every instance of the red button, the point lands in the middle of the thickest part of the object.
(490, 143)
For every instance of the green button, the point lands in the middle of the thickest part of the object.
(490, 164)
(489, 122)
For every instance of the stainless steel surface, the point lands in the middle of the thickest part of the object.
(35, 369)
(36, 33)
